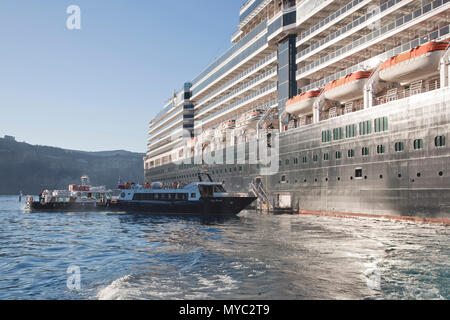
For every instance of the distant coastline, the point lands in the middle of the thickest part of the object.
(32, 168)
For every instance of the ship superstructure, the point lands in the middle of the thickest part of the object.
(354, 96)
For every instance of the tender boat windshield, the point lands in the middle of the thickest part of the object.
(219, 189)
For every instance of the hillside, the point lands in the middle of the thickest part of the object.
(32, 168)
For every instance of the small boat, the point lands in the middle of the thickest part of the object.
(349, 88)
(302, 104)
(418, 63)
(77, 198)
(197, 198)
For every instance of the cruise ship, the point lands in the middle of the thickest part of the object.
(320, 107)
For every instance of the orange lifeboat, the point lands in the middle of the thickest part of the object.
(348, 88)
(249, 119)
(302, 104)
(418, 63)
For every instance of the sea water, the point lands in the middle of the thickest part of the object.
(251, 256)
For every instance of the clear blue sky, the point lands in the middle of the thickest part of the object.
(97, 88)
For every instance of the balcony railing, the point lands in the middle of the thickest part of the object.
(237, 103)
(348, 27)
(239, 90)
(373, 35)
(239, 77)
(436, 34)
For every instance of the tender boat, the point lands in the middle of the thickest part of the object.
(418, 63)
(197, 198)
(77, 198)
(348, 88)
(302, 104)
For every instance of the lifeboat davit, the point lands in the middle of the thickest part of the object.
(249, 119)
(206, 136)
(348, 88)
(418, 63)
(222, 128)
(302, 104)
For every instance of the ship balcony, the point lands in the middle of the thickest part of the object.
(257, 96)
(348, 27)
(338, 13)
(256, 85)
(249, 73)
(437, 34)
(404, 27)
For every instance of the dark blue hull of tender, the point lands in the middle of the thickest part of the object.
(203, 207)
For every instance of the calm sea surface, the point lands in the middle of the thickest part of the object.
(247, 257)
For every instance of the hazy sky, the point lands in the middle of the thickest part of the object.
(97, 88)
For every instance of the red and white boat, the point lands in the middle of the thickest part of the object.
(302, 104)
(418, 63)
(348, 88)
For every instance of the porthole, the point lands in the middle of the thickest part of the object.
(441, 173)
(381, 176)
(399, 175)
(418, 174)
(339, 178)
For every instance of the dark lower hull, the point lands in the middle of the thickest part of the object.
(64, 207)
(202, 207)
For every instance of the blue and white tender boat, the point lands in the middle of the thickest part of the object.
(197, 198)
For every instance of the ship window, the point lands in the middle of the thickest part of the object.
(439, 141)
(305, 159)
(380, 149)
(365, 151)
(326, 156)
(399, 146)
(418, 144)
(193, 195)
(381, 124)
(338, 155)
(358, 173)
(283, 178)
(287, 162)
(351, 153)
(326, 136)
(365, 127)
(315, 158)
(338, 133)
(350, 131)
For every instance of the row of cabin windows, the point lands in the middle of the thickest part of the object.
(359, 175)
(381, 149)
(160, 196)
(365, 128)
(439, 141)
